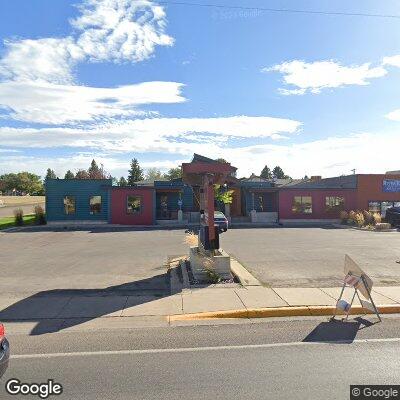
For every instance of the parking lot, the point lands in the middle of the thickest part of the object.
(44, 260)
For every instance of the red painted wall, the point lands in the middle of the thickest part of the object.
(318, 203)
(119, 213)
(370, 188)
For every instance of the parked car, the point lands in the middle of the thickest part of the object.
(221, 221)
(4, 351)
(393, 216)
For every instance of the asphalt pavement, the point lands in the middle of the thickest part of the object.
(275, 359)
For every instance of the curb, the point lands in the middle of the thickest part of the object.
(302, 311)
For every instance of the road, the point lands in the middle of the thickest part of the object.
(266, 360)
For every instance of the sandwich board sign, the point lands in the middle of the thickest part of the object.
(357, 279)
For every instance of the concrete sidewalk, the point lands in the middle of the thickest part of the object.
(50, 314)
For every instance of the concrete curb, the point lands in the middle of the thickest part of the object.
(282, 312)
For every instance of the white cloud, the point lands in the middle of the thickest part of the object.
(171, 135)
(394, 115)
(48, 103)
(106, 30)
(327, 157)
(393, 61)
(315, 76)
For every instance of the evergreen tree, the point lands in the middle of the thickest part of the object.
(266, 173)
(50, 174)
(135, 173)
(277, 172)
(69, 175)
(94, 171)
(122, 182)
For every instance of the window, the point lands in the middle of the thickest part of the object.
(69, 205)
(302, 205)
(133, 204)
(374, 206)
(334, 203)
(261, 202)
(95, 205)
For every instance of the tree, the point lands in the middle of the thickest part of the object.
(154, 174)
(173, 173)
(82, 174)
(222, 160)
(122, 181)
(135, 173)
(222, 194)
(50, 174)
(96, 172)
(24, 182)
(277, 172)
(266, 173)
(69, 175)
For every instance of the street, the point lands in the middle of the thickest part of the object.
(275, 359)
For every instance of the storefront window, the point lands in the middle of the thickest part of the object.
(334, 203)
(95, 204)
(384, 206)
(69, 205)
(133, 204)
(302, 205)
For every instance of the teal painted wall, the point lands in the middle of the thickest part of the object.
(81, 189)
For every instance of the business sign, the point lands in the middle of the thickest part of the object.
(391, 185)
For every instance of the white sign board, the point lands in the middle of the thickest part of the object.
(352, 268)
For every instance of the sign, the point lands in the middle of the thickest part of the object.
(352, 268)
(391, 185)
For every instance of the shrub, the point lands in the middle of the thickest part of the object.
(40, 217)
(191, 239)
(352, 218)
(19, 217)
(360, 220)
(208, 266)
(368, 217)
(377, 218)
(344, 216)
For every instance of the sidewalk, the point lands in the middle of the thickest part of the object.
(50, 314)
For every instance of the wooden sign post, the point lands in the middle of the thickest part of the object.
(357, 279)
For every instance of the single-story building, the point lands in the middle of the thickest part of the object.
(255, 199)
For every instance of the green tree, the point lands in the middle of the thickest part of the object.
(69, 175)
(266, 173)
(23, 182)
(223, 195)
(135, 173)
(173, 173)
(122, 181)
(154, 174)
(82, 174)
(277, 172)
(50, 174)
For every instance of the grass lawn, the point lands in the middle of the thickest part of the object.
(22, 200)
(8, 222)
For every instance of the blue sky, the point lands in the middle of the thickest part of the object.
(117, 79)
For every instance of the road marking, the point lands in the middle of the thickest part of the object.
(194, 349)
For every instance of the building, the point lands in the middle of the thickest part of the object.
(255, 200)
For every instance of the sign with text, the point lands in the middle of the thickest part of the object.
(391, 185)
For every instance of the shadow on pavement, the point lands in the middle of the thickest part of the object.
(55, 310)
(334, 331)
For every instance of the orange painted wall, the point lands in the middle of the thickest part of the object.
(370, 188)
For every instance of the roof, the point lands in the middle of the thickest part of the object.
(339, 182)
(254, 178)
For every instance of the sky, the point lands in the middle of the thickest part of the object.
(315, 93)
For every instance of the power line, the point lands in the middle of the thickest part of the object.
(280, 10)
